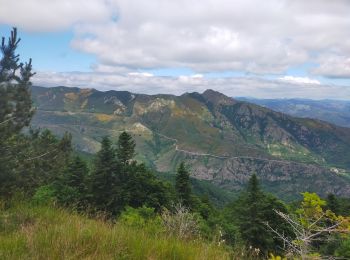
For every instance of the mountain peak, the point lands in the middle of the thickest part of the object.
(217, 98)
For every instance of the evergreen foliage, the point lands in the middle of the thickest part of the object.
(104, 178)
(117, 182)
(15, 99)
(33, 160)
(183, 185)
(333, 203)
(250, 213)
(76, 173)
(27, 161)
(125, 148)
(71, 188)
(15, 107)
(143, 188)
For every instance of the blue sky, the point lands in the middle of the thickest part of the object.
(281, 49)
(51, 51)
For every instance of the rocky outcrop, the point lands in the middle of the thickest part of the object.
(285, 178)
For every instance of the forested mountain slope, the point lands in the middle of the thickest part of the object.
(223, 140)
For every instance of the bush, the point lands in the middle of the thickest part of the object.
(181, 223)
(44, 195)
(142, 218)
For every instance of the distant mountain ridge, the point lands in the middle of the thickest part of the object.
(333, 111)
(222, 139)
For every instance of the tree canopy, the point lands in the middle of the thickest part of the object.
(183, 185)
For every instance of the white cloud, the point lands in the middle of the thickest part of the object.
(233, 86)
(53, 15)
(197, 76)
(333, 66)
(219, 35)
(206, 36)
(140, 74)
(300, 80)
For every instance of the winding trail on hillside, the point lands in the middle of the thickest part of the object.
(226, 157)
(176, 141)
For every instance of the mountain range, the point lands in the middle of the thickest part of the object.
(223, 140)
(333, 111)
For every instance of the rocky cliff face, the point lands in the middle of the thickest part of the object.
(223, 140)
(284, 178)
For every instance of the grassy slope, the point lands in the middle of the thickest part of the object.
(41, 232)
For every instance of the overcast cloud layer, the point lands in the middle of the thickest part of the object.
(252, 36)
(237, 86)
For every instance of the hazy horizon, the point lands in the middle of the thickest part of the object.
(283, 49)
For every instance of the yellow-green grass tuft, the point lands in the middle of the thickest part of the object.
(45, 232)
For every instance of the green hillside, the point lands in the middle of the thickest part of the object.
(222, 139)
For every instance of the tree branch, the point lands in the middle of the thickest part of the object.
(40, 156)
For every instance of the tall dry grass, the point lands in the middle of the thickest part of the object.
(45, 232)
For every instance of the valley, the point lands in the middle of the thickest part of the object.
(224, 141)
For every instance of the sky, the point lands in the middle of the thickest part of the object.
(252, 48)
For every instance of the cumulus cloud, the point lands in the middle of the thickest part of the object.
(53, 15)
(231, 86)
(206, 36)
(300, 80)
(333, 66)
(140, 74)
(219, 35)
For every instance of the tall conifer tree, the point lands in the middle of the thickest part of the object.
(333, 203)
(251, 227)
(71, 187)
(252, 210)
(125, 148)
(104, 178)
(15, 106)
(15, 99)
(76, 173)
(183, 185)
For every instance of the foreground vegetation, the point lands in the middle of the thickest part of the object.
(46, 232)
(33, 229)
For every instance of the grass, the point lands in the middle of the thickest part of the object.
(45, 232)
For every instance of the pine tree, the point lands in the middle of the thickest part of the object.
(183, 185)
(71, 188)
(252, 229)
(104, 178)
(15, 99)
(252, 210)
(76, 173)
(333, 203)
(125, 148)
(15, 108)
(142, 187)
(42, 158)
